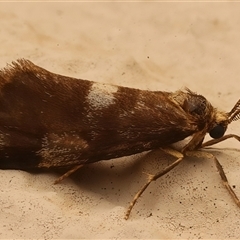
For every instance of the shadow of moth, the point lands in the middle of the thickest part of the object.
(52, 121)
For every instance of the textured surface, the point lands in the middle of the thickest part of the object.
(155, 46)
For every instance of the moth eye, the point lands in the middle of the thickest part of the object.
(217, 131)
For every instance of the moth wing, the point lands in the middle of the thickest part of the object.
(62, 150)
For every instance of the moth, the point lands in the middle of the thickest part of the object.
(49, 121)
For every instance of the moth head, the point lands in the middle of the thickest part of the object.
(222, 120)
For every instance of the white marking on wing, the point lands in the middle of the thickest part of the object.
(101, 95)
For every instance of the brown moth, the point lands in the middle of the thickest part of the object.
(52, 121)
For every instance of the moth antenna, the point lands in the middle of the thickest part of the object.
(234, 114)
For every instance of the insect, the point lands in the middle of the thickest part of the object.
(53, 121)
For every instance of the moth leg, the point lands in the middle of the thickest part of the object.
(214, 141)
(220, 170)
(68, 173)
(154, 177)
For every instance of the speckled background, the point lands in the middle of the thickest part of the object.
(155, 46)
